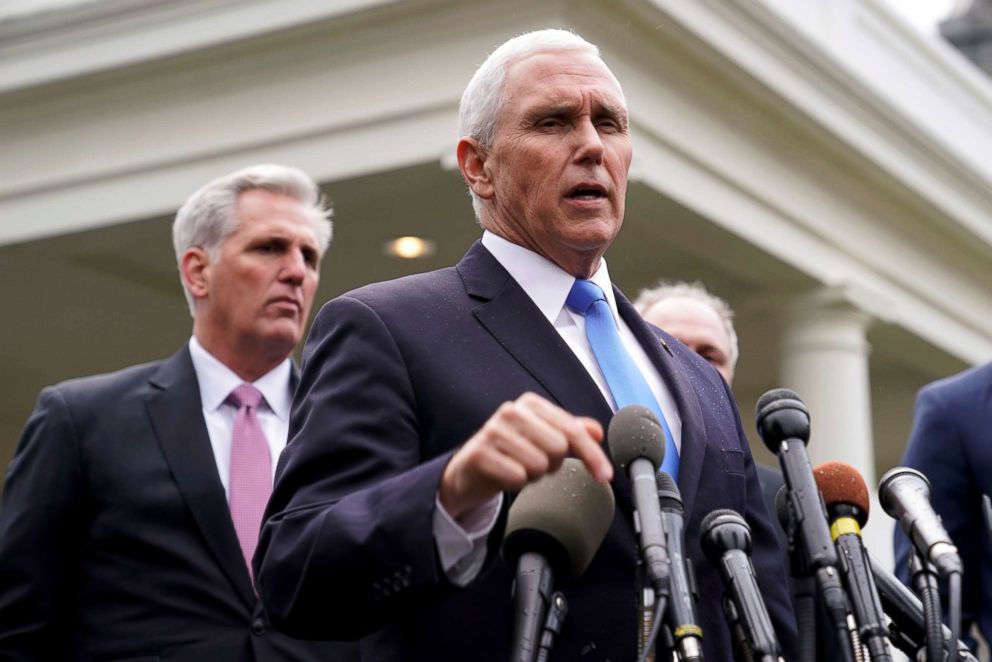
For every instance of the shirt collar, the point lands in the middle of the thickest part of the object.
(217, 381)
(545, 282)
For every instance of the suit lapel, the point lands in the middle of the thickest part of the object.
(523, 331)
(693, 450)
(518, 325)
(176, 413)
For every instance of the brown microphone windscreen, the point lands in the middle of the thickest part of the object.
(839, 482)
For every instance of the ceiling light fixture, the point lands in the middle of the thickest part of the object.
(410, 247)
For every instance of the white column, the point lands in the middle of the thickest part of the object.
(825, 360)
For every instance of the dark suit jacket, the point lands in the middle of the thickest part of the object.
(951, 443)
(116, 541)
(395, 376)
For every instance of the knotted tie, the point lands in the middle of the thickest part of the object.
(625, 381)
(251, 469)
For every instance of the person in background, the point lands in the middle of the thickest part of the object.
(701, 321)
(704, 323)
(427, 402)
(132, 506)
(951, 444)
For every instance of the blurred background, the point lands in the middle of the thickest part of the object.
(822, 165)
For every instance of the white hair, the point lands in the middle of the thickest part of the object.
(697, 292)
(482, 100)
(208, 216)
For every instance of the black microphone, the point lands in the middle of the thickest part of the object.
(726, 541)
(553, 530)
(681, 614)
(783, 424)
(905, 496)
(846, 496)
(637, 443)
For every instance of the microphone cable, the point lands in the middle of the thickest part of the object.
(659, 615)
(924, 577)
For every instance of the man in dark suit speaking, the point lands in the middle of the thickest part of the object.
(424, 401)
(135, 498)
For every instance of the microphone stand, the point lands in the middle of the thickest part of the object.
(924, 577)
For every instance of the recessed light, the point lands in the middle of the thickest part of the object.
(409, 247)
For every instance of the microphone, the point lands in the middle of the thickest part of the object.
(846, 496)
(783, 424)
(637, 443)
(553, 530)
(681, 614)
(726, 542)
(905, 496)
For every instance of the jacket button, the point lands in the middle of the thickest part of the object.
(258, 627)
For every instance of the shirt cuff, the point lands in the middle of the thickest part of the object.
(462, 545)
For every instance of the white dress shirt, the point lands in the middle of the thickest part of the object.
(548, 286)
(216, 382)
(461, 546)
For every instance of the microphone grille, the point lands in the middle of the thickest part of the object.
(774, 395)
(723, 530)
(781, 414)
(635, 432)
(887, 488)
(668, 493)
(839, 482)
(564, 515)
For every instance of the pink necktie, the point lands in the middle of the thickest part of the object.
(251, 470)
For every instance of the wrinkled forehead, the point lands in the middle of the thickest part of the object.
(560, 66)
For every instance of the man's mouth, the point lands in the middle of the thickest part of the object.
(586, 191)
(287, 301)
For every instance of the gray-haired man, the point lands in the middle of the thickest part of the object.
(132, 506)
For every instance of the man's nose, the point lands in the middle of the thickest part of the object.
(294, 267)
(589, 144)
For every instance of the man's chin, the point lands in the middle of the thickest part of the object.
(283, 334)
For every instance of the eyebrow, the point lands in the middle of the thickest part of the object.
(559, 108)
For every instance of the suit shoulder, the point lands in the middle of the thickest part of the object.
(427, 284)
(414, 292)
(972, 384)
(102, 386)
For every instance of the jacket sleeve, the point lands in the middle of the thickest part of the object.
(348, 541)
(41, 534)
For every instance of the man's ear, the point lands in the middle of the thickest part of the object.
(195, 269)
(472, 163)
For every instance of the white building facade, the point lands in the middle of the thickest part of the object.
(820, 165)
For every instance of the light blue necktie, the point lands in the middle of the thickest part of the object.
(626, 382)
